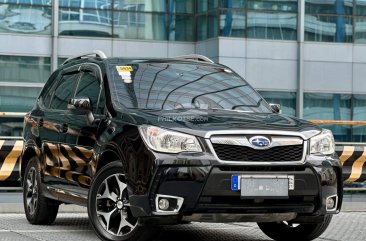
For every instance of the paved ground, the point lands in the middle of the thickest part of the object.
(72, 224)
(347, 226)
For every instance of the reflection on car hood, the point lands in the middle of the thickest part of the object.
(199, 122)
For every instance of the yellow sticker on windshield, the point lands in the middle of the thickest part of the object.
(121, 69)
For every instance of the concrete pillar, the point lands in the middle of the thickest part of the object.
(54, 56)
(300, 65)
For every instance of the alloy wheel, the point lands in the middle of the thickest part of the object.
(32, 191)
(113, 207)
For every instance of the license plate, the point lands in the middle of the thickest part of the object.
(262, 186)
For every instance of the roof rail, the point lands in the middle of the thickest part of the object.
(196, 57)
(95, 53)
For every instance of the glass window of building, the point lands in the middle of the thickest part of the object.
(29, 18)
(272, 25)
(324, 106)
(60, 61)
(275, 20)
(11, 126)
(181, 27)
(212, 24)
(329, 21)
(273, 5)
(141, 19)
(241, 4)
(360, 30)
(287, 100)
(18, 99)
(24, 69)
(181, 6)
(359, 113)
(343, 7)
(201, 22)
(85, 22)
(137, 25)
(328, 28)
(207, 25)
(95, 4)
(232, 23)
(206, 5)
(360, 7)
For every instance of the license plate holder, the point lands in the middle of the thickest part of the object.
(262, 186)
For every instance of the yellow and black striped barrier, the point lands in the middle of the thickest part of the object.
(353, 158)
(10, 150)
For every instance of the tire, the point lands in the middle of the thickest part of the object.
(108, 208)
(38, 209)
(283, 231)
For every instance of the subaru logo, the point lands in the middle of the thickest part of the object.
(260, 141)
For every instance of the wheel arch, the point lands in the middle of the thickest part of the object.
(105, 158)
(28, 153)
(137, 160)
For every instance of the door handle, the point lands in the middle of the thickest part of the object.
(64, 128)
(40, 122)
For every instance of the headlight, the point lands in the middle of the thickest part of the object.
(322, 143)
(163, 140)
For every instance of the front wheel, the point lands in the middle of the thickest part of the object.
(287, 231)
(109, 207)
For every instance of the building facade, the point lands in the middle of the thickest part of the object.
(307, 55)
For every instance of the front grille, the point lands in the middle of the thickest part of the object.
(244, 153)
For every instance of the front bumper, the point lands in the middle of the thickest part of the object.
(205, 188)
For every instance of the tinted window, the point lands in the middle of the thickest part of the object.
(64, 92)
(48, 90)
(182, 86)
(89, 86)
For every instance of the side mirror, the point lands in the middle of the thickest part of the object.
(276, 108)
(82, 106)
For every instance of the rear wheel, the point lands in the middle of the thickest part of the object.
(109, 207)
(38, 209)
(287, 231)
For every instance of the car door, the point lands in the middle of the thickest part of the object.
(41, 121)
(77, 144)
(53, 127)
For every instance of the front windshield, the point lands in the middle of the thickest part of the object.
(177, 85)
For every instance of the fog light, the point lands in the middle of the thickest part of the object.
(331, 203)
(163, 204)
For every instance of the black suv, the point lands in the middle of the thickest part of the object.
(148, 142)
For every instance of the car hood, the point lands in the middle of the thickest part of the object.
(201, 122)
